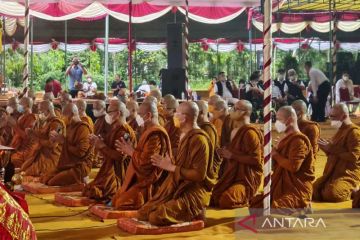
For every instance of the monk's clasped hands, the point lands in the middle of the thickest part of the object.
(124, 147)
(96, 141)
(163, 162)
(324, 145)
(56, 137)
(225, 153)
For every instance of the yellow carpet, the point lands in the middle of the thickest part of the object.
(58, 222)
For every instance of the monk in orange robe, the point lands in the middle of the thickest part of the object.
(142, 179)
(132, 120)
(293, 169)
(77, 153)
(160, 108)
(101, 128)
(23, 143)
(112, 172)
(5, 129)
(220, 118)
(170, 104)
(308, 128)
(64, 99)
(206, 125)
(243, 162)
(49, 96)
(356, 199)
(342, 170)
(13, 108)
(186, 191)
(81, 105)
(48, 154)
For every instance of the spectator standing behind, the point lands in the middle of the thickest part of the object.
(117, 85)
(281, 81)
(344, 83)
(211, 87)
(223, 87)
(75, 72)
(320, 87)
(53, 86)
(294, 88)
(89, 87)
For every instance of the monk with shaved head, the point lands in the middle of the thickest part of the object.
(133, 118)
(48, 153)
(22, 142)
(142, 179)
(170, 104)
(243, 162)
(77, 153)
(49, 96)
(186, 190)
(293, 168)
(342, 170)
(81, 105)
(65, 98)
(159, 107)
(112, 172)
(308, 128)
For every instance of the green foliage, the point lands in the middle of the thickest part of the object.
(203, 65)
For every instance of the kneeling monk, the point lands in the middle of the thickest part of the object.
(47, 157)
(243, 162)
(77, 153)
(186, 191)
(112, 172)
(293, 168)
(142, 179)
(342, 170)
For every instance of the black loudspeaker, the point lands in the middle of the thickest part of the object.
(173, 82)
(175, 45)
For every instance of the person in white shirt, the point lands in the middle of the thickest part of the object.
(346, 83)
(320, 87)
(223, 87)
(89, 87)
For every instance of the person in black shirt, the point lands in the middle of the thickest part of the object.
(117, 85)
(294, 88)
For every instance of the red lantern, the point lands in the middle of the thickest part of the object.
(54, 44)
(205, 46)
(305, 46)
(240, 47)
(93, 46)
(14, 45)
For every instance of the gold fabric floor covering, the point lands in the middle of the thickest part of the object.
(58, 222)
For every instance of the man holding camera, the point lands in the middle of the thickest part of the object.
(75, 73)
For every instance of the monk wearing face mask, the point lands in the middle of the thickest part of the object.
(77, 153)
(173, 129)
(133, 119)
(342, 170)
(112, 172)
(243, 162)
(142, 179)
(293, 168)
(81, 104)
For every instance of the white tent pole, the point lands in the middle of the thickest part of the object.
(106, 70)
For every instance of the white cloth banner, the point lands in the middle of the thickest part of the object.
(287, 46)
(74, 47)
(112, 48)
(150, 47)
(223, 47)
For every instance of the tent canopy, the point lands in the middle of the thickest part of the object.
(320, 5)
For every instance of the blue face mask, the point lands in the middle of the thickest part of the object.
(21, 109)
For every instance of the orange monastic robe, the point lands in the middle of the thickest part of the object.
(292, 177)
(134, 125)
(312, 131)
(239, 181)
(224, 128)
(75, 159)
(49, 152)
(186, 192)
(161, 112)
(142, 179)
(112, 172)
(86, 119)
(342, 170)
(101, 128)
(173, 132)
(356, 199)
(25, 145)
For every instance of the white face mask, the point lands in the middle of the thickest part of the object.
(336, 124)
(9, 110)
(345, 78)
(108, 119)
(21, 109)
(279, 126)
(98, 113)
(42, 116)
(139, 120)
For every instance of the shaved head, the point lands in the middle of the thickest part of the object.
(47, 107)
(148, 107)
(190, 109)
(65, 98)
(286, 113)
(156, 94)
(99, 105)
(203, 107)
(48, 96)
(341, 108)
(213, 99)
(170, 101)
(244, 105)
(27, 102)
(132, 105)
(299, 106)
(220, 105)
(81, 105)
(71, 110)
(13, 102)
(120, 107)
(151, 99)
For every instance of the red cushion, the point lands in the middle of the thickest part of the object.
(105, 212)
(73, 199)
(134, 226)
